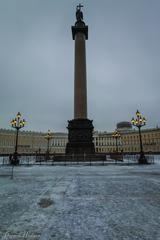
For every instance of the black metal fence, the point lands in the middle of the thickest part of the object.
(83, 159)
(130, 158)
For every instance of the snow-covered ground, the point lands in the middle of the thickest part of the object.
(80, 203)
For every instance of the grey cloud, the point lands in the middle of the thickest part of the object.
(37, 61)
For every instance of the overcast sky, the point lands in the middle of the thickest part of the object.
(37, 61)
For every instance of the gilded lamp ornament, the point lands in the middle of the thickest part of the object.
(116, 135)
(17, 123)
(139, 122)
(48, 137)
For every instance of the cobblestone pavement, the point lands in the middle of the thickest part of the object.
(80, 203)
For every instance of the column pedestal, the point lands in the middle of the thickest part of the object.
(80, 138)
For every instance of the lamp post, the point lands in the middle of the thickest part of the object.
(116, 135)
(17, 123)
(48, 137)
(139, 122)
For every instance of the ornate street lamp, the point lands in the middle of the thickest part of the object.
(17, 123)
(139, 122)
(116, 135)
(48, 137)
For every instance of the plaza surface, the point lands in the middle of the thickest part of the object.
(80, 203)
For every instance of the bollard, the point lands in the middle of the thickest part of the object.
(12, 171)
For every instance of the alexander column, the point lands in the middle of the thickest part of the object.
(80, 129)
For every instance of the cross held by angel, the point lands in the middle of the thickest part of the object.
(79, 13)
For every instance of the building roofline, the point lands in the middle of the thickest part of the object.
(134, 130)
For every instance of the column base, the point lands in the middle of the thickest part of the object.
(142, 159)
(14, 160)
(80, 137)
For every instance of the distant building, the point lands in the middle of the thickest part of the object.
(124, 126)
(129, 141)
(28, 142)
(32, 142)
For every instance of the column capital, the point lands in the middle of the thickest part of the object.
(80, 28)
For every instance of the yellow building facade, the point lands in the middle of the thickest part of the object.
(129, 141)
(32, 142)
